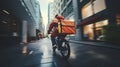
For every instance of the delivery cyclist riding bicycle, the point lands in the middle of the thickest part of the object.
(54, 28)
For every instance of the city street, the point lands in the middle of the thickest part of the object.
(39, 54)
(92, 28)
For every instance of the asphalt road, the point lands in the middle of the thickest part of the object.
(39, 54)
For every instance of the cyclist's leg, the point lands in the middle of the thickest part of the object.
(53, 42)
(62, 36)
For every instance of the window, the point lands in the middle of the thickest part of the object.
(67, 0)
(118, 18)
(95, 7)
(81, 0)
(87, 11)
(99, 5)
(88, 32)
(99, 29)
(70, 8)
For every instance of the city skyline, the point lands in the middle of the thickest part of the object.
(44, 11)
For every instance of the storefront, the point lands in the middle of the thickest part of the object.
(92, 21)
(118, 18)
(95, 17)
(88, 30)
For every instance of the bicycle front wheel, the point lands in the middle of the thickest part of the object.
(65, 50)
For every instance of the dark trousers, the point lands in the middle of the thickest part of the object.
(53, 40)
(62, 36)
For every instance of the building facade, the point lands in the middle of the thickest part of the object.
(39, 20)
(56, 7)
(67, 9)
(95, 14)
(18, 18)
(50, 12)
(33, 8)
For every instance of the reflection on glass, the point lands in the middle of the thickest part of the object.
(118, 18)
(96, 6)
(86, 11)
(88, 30)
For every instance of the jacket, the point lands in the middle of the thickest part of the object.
(54, 26)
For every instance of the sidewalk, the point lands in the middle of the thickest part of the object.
(99, 44)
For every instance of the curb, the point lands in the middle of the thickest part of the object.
(95, 44)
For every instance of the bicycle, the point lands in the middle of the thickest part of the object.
(63, 46)
(61, 43)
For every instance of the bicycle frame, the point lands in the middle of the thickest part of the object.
(59, 40)
(63, 46)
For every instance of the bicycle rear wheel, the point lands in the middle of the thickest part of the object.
(65, 50)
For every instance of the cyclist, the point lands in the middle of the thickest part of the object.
(54, 28)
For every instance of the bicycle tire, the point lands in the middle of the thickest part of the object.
(65, 46)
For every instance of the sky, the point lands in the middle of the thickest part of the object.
(44, 10)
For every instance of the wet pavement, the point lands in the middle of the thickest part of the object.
(35, 54)
(39, 54)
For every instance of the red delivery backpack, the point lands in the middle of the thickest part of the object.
(66, 27)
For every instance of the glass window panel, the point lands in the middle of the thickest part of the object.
(118, 18)
(99, 5)
(87, 11)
